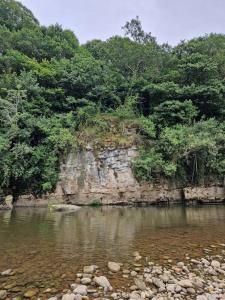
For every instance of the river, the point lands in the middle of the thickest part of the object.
(48, 248)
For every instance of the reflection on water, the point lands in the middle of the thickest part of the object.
(43, 245)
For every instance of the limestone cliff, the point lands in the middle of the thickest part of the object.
(105, 176)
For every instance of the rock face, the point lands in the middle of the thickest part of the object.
(105, 177)
(211, 194)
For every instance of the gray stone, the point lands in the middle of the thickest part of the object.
(201, 297)
(89, 269)
(170, 287)
(185, 283)
(81, 290)
(68, 297)
(113, 266)
(215, 264)
(158, 283)
(103, 282)
(85, 281)
(135, 296)
(140, 284)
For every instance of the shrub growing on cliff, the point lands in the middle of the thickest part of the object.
(197, 150)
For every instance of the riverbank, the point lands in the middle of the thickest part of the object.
(200, 279)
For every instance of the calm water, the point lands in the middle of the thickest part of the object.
(48, 248)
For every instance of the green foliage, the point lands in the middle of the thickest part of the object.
(15, 16)
(174, 112)
(56, 94)
(197, 150)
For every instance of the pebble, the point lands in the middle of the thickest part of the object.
(103, 282)
(3, 294)
(89, 269)
(31, 293)
(215, 264)
(6, 272)
(68, 297)
(113, 266)
(85, 281)
(81, 290)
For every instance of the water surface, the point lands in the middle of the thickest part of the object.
(48, 248)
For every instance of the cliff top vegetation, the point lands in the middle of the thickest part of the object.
(55, 93)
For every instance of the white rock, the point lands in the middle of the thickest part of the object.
(103, 282)
(85, 281)
(6, 272)
(114, 295)
(53, 298)
(113, 266)
(201, 297)
(133, 273)
(215, 264)
(89, 269)
(68, 297)
(137, 258)
(81, 290)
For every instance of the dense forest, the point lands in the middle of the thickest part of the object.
(55, 93)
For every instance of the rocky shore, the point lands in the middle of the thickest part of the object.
(200, 279)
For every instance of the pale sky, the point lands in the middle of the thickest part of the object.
(168, 20)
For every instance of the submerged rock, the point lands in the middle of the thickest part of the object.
(3, 294)
(64, 207)
(89, 269)
(6, 272)
(114, 267)
(31, 293)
